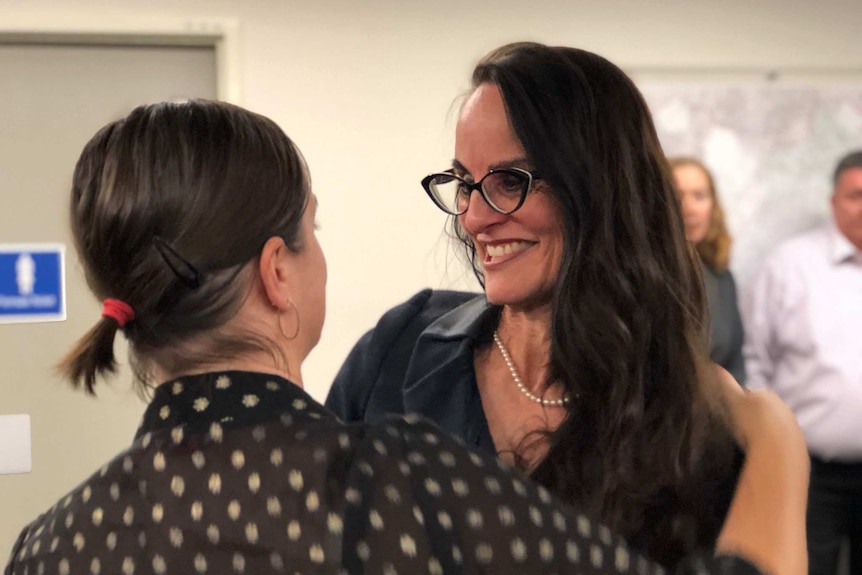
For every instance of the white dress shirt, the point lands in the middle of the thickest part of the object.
(803, 330)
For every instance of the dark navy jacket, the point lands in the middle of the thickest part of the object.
(419, 359)
(398, 366)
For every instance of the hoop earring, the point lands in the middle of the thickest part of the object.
(281, 328)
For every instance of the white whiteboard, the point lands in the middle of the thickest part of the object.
(772, 147)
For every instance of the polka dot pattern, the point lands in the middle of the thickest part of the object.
(229, 463)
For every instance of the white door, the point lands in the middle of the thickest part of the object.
(53, 98)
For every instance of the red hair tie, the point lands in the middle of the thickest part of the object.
(117, 310)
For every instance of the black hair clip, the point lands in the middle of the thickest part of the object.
(182, 268)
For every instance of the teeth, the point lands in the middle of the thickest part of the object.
(503, 249)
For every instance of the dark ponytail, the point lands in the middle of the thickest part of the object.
(169, 207)
(92, 357)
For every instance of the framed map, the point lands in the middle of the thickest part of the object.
(772, 147)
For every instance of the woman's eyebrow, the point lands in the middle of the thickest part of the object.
(459, 167)
(519, 162)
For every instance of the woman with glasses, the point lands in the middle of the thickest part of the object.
(583, 363)
(235, 469)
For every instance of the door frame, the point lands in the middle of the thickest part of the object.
(222, 34)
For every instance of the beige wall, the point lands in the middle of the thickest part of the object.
(365, 89)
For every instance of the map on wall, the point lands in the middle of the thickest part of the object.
(771, 146)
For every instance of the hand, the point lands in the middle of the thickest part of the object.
(766, 521)
(760, 419)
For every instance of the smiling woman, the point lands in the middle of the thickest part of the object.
(520, 253)
(584, 361)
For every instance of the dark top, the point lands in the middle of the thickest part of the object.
(419, 359)
(725, 322)
(241, 472)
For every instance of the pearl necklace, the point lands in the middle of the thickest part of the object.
(534, 398)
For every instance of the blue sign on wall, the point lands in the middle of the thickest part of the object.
(32, 283)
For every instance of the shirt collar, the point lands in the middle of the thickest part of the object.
(841, 250)
(232, 398)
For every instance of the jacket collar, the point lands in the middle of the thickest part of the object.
(440, 382)
(464, 322)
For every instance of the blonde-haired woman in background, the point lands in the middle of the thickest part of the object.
(705, 228)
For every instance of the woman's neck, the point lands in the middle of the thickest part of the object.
(258, 363)
(526, 334)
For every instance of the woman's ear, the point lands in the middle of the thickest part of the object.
(275, 271)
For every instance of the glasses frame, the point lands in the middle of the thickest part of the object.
(531, 176)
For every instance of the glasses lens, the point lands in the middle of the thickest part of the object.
(449, 192)
(506, 188)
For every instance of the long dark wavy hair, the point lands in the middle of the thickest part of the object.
(644, 445)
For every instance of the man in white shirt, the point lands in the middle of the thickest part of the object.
(803, 326)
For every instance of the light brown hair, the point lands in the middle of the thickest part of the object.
(714, 249)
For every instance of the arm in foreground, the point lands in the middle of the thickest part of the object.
(766, 521)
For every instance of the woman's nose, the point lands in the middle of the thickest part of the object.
(479, 214)
(685, 205)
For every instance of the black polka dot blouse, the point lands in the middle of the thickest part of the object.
(244, 473)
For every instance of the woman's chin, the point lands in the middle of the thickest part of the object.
(695, 236)
(514, 297)
(500, 295)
